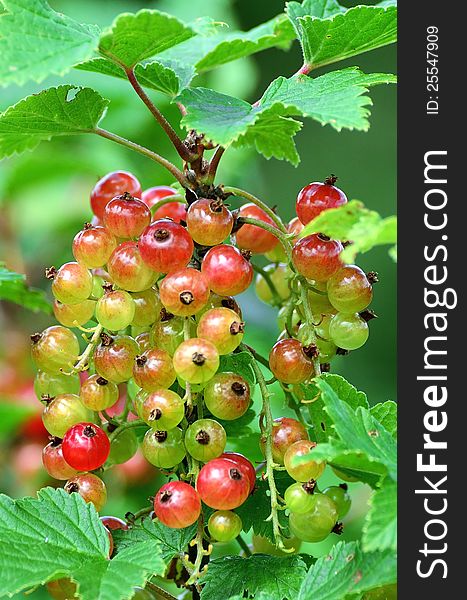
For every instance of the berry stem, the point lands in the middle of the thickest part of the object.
(214, 164)
(311, 336)
(83, 362)
(146, 152)
(167, 200)
(280, 236)
(256, 355)
(188, 398)
(238, 192)
(275, 295)
(182, 150)
(161, 593)
(243, 545)
(200, 553)
(292, 403)
(266, 425)
(124, 426)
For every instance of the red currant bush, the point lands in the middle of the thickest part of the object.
(349, 290)
(115, 356)
(252, 237)
(196, 360)
(113, 184)
(90, 487)
(317, 257)
(125, 216)
(177, 505)
(285, 432)
(93, 245)
(222, 485)
(290, 362)
(299, 463)
(71, 284)
(54, 463)
(166, 246)
(128, 270)
(205, 439)
(164, 449)
(209, 222)
(85, 447)
(227, 270)
(184, 292)
(227, 396)
(98, 394)
(224, 525)
(115, 310)
(162, 409)
(55, 349)
(62, 412)
(316, 197)
(153, 370)
(223, 328)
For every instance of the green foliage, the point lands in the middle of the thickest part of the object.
(238, 363)
(329, 33)
(13, 288)
(386, 414)
(62, 536)
(36, 41)
(239, 428)
(347, 570)
(380, 531)
(278, 578)
(62, 110)
(354, 222)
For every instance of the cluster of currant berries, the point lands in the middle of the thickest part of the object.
(158, 279)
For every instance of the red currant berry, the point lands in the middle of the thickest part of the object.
(295, 227)
(98, 394)
(54, 349)
(319, 303)
(302, 471)
(184, 292)
(144, 341)
(85, 447)
(349, 290)
(349, 332)
(209, 222)
(166, 246)
(164, 449)
(71, 284)
(177, 505)
(92, 246)
(128, 270)
(114, 358)
(153, 194)
(224, 525)
(223, 328)
(162, 409)
(153, 370)
(62, 412)
(90, 487)
(317, 257)
(196, 360)
(222, 485)
(115, 310)
(123, 447)
(54, 463)
(205, 439)
(74, 315)
(252, 237)
(126, 216)
(285, 432)
(114, 523)
(53, 384)
(341, 498)
(216, 301)
(113, 184)
(228, 272)
(227, 396)
(289, 362)
(167, 332)
(280, 276)
(244, 465)
(176, 211)
(299, 497)
(316, 197)
(316, 524)
(147, 308)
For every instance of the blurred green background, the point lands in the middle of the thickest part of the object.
(44, 200)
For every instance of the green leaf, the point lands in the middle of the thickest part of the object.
(62, 110)
(135, 37)
(354, 222)
(36, 41)
(347, 570)
(13, 288)
(386, 414)
(169, 77)
(380, 529)
(352, 463)
(62, 536)
(238, 428)
(277, 577)
(169, 542)
(257, 508)
(238, 363)
(329, 33)
(338, 98)
(320, 419)
(359, 431)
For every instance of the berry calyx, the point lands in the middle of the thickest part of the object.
(85, 447)
(184, 292)
(177, 505)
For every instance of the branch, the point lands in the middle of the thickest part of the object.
(83, 362)
(167, 200)
(238, 192)
(179, 176)
(200, 553)
(214, 164)
(311, 336)
(161, 593)
(182, 150)
(124, 426)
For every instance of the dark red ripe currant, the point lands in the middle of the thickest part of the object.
(289, 362)
(252, 237)
(285, 432)
(166, 246)
(128, 270)
(153, 370)
(114, 358)
(113, 184)
(316, 197)
(86, 447)
(126, 216)
(177, 505)
(184, 292)
(222, 484)
(172, 210)
(54, 463)
(243, 465)
(153, 194)
(114, 523)
(228, 272)
(317, 257)
(92, 246)
(209, 222)
(90, 487)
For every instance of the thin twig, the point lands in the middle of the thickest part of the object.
(160, 591)
(243, 545)
(83, 362)
(124, 426)
(282, 237)
(167, 200)
(311, 335)
(238, 192)
(214, 164)
(276, 299)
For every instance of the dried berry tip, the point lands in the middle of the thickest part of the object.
(338, 528)
(309, 486)
(372, 277)
(141, 360)
(342, 352)
(235, 474)
(368, 314)
(237, 327)
(331, 180)
(155, 414)
(35, 337)
(202, 437)
(165, 496)
(160, 436)
(101, 381)
(106, 339)
(165, 315)
(50, 273)
(310, 351)
(238, 388)
(89, 431)
(344, 486)
(186, 298)
(71, 487)
(198, 358)
(161, 234)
